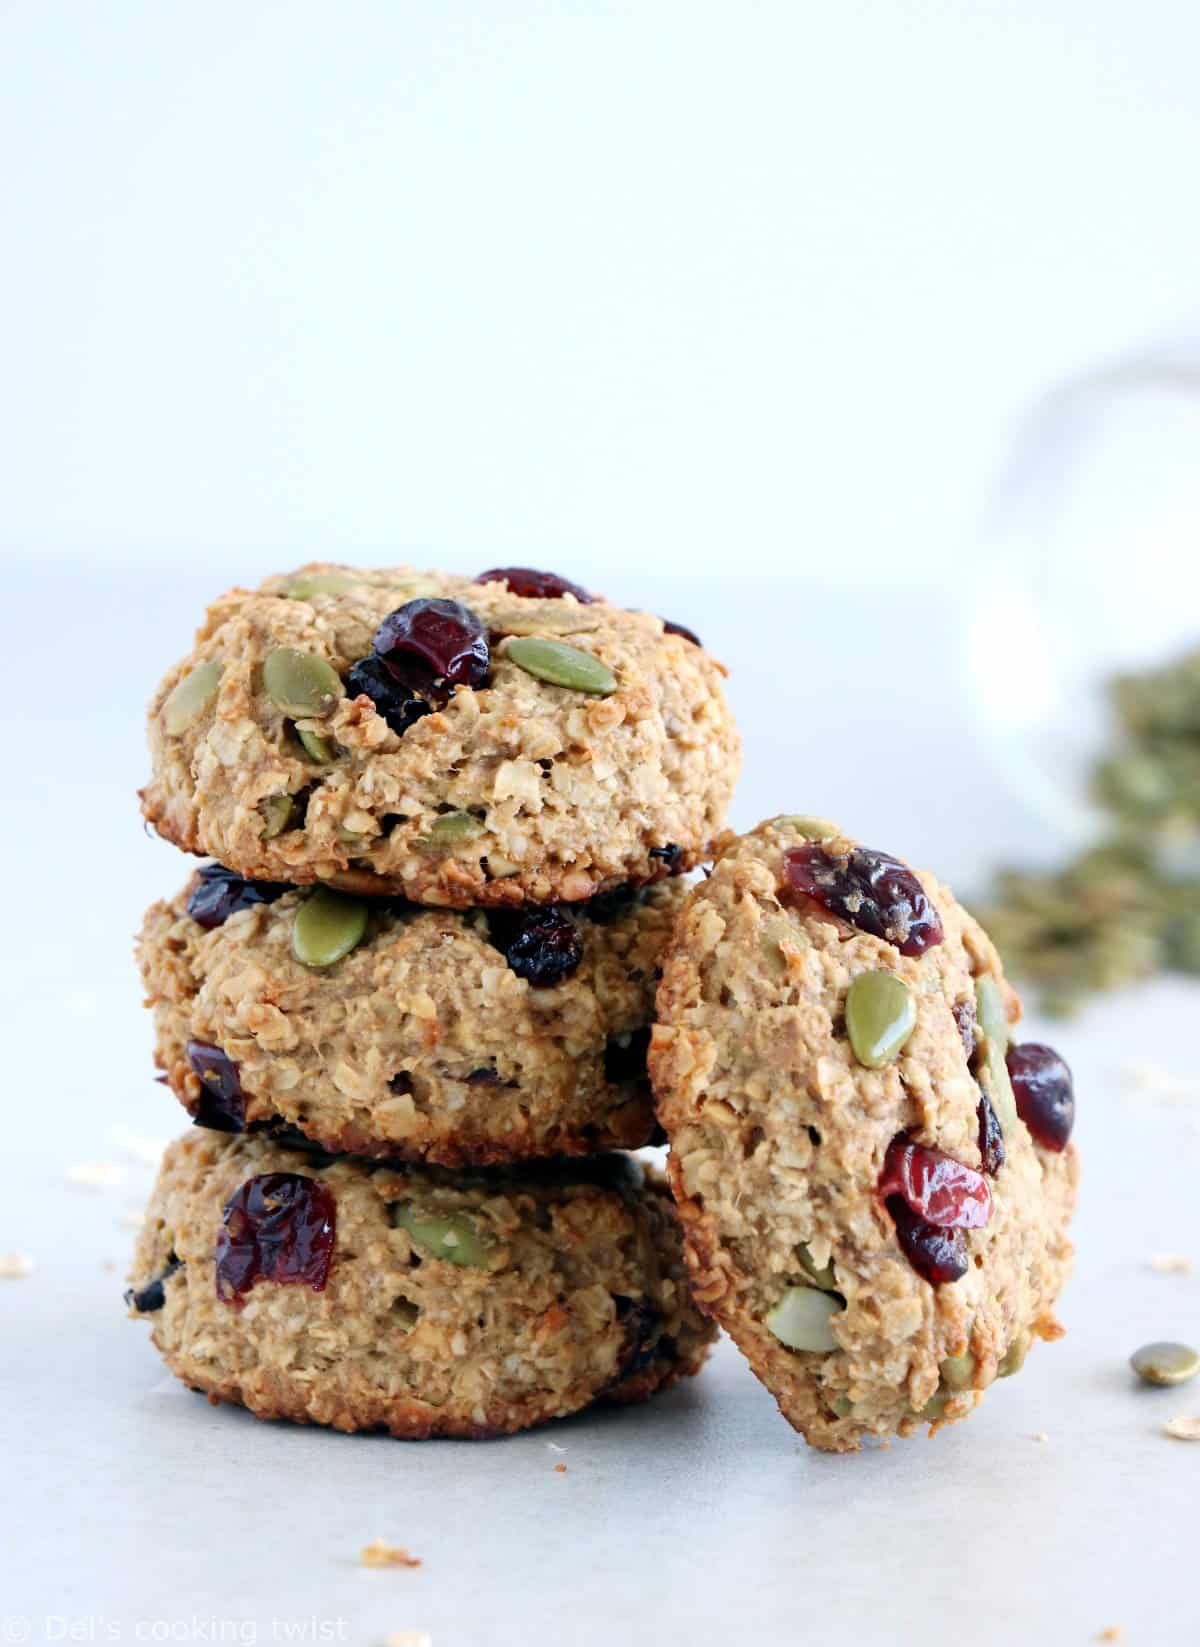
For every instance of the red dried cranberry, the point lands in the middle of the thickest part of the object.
(991, 1139)
(625, 1056)
(399, 704)
(434, 640)
(936, 1187)
(222, 1103)
(968, 1029)
(871, 890)
(1044, 1091)
(219, 893)
(678, 629)
(279, 1226)
(939, 1255)
(542, 945)
(523, 580)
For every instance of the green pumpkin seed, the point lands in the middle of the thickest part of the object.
(327, 926)
(451, 1236)
(300, 682)
(842, 1406)
(453, 827)
(1165, 1363)
(1013, 1358)
(880, 1016)
(316, 747)
(989, 1009)
(813, 829)
(561, 665)
(958, 1371)
(801, 1320)
(997, 1083)
(307, 584)
(279, 813)
(190, 697)
(823, 1278)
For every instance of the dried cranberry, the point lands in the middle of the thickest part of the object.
(642, 1326)
(936, 1187)
(542, 945)
(991, 1139)
(669, 855)
(399, 705)
(219, 893)
(604, 907)
(871, 890)
(146, 1300)
(433, 640)
(968, 1028)
(678, 629)
(625, 1056)
(523, 580)
(940, 1255)
(222, 1103)
(279, 1226)
(1044, 1091)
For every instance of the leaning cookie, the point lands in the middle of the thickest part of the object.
(460, 742)
(391, 1030)
(364, 1296)
(873, 1206)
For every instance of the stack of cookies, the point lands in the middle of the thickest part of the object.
(408, 1002)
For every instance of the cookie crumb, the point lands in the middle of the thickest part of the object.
(1171, 1263)
(94, 1175)
(380, 1554)
(408, 1638)
(555, 1448)
(1182, 1429)
(133, 1220)
(137, 1146)
(560, 1469)
(15, 1266)
(1115, 1632)
(1040, 1435)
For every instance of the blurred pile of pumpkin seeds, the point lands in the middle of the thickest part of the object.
(1130, 906)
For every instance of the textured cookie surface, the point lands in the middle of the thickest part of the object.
(457, 1306)
(515, 789)
(422, 1042)
(780, 1133)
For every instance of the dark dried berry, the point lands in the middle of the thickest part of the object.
(939, 1189)
(678, 629)
(605, 907)
(669, 855)
(642, 1325)
(968, 1028)
(533, 585)
(153, 1295)
(279, 1226)
(871, 890)
(434, 640)
(991, 1138)
(485, 1076)
(625, 1056)
(940, 1255)
(219, 893)
(542, 945)
(1045, 1092)
(222, 1103)
(399, 705)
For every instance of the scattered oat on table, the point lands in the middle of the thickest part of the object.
(1115, 1632)
(381, 1554)
(1041, 1435)
(1148, 1083)
(15, 1266)
(1182, 1429)
(1171, 1263)
(133, 1219)
(408, 1638)
(137, 1146)
(94, 1175)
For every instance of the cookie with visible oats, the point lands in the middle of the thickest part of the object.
(386, 1029)
(407, 1299)
(873, 1207)
(459, 742)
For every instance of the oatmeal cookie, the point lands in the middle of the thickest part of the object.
(383, 1297)
(456, 1037)
(874, 1184)
(498, 741)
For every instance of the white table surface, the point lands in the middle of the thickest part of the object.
(134, 1511)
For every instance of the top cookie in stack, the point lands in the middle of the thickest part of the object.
(497, 740)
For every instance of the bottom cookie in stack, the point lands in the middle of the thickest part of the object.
(379, 1296)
